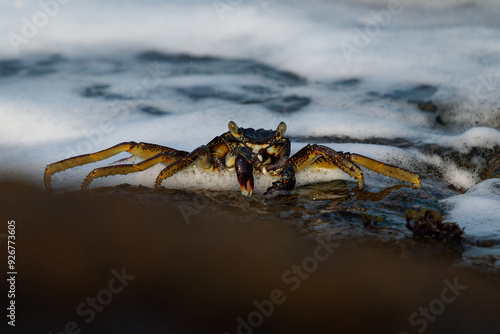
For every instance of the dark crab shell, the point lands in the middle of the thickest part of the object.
(259, 136)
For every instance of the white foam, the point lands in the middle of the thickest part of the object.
(474, 137)
(478, 210)
(195, 179)
(452, 174)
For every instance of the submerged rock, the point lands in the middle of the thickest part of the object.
(430, 223)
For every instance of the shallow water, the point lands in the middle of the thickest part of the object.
(421, 92)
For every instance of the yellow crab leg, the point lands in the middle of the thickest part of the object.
(318, 156)
(201, 152)
(386, 169)
(165, 157)
(324, 157)
(142, 150)
(330, 158)
(347, 162)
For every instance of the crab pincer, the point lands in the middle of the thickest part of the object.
(285, 185)
(244, 172)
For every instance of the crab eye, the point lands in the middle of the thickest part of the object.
(233, 128)
(281, 128)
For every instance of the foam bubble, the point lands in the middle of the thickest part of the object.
(194, 178)
(478, 210)
(474, 137)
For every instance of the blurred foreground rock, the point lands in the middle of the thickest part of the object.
(88, 263)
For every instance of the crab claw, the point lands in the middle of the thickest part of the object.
(244, 172)
(285, 185)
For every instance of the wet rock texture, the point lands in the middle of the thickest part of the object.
(429, 223)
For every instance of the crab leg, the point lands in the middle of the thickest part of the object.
(200, 152)
(320, 156)
(386, 169)
(165, 157)
(347, 163)
(328, 158)
(142, 150)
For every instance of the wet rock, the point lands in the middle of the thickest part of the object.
(288, 104)
(414, 95)
(172, 57)
(462, 113)
(102, 91)
(257, 89)
(429, 223)
(32, 66)
(203, 92)
(346, 83)
(439, 120)
(397, 142)
(46, 65)
(370, 221)
(10, 67)
(427, 106)
(154, 111)
(207, 65)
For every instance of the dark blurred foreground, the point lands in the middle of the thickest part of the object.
(90, 263)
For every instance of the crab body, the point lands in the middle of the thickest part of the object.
(244, 151)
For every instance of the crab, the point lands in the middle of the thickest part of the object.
(244, 151)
